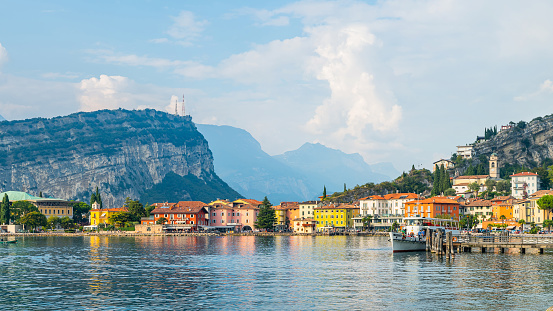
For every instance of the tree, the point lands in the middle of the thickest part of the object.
(436, 184)
(475, 187)
(503, 186)
(33, 220)
(20, 208)
(80, 210)
(444, 180)
(5, 214)
(490, 184)
(52, 222)
(266, 218)
(122, 217)
(450, 192)
(345, 189)
(548, 223)
(40, 194)
(66, 222)
(367, 221)
(96, 197)
(149, 209)
(161, 221)
(135, 207)
(468, 221)
(546, 203)
(324, 192)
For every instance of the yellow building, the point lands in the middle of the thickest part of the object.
(101, 215)
(528, 209)
(47, 206)
(332, 217)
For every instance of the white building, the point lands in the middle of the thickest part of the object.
(446, 163)
(392, 204)
(465, 151)
(524, 182)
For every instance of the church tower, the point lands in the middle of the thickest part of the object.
(494, 168)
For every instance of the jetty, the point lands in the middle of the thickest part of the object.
(443, 243)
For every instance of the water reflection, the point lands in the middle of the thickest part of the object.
(285, 273)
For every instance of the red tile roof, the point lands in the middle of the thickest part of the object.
(438, 200)
(190, 207)
(472, 177)
(524, 174)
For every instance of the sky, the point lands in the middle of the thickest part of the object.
(395, 81)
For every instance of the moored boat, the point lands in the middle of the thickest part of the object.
(8, 242)
(412, 238)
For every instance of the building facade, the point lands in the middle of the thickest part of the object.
(524, 184)
(432, 207)
(335, 217)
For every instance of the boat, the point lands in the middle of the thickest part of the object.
(412, 238)
(8, 242)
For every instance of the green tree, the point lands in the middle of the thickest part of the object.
(33, 220)
(345, 189)
(161, 221)
(444, 180)
(367, 221)
(5, 210)
(121, 218)
(470, 170)
(546, 203)
(40, 194)
(66, 222)
(436, 183)
(135, 207)
(503, 186)
(475, 187)
(266, 218)
(490, 184)
(20, 208)
(468, 221)
(149, 209)
(96, 197)
(52, 222)
(324, 192)
(548, 223)
(80, 211)
(450, 192)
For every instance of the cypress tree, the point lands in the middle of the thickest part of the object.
(445, 182)
(345, 189)
(324, 192)
(5, 210)
(436, 182)
(93, 198)
(99, 198)
(40, 194)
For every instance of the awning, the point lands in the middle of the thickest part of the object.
(511, 227)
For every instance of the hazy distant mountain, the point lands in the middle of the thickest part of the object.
(331, 167)
(2, 118)
(294, 176)
(240, 161)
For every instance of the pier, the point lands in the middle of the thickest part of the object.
(443, 243)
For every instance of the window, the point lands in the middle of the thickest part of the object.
(192, 222)
(247, 221)
(223, 214)
(214, 214)
(229, 214)
(237, 214)
(232, 214)
(166, 216)
(213, 221)
(247, 213)
(222, 221)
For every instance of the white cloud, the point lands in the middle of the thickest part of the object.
(3, 54)
(263, 17)
(186, 28)
(57, 75)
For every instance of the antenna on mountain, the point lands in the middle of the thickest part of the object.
(176, 105)
(183, 105)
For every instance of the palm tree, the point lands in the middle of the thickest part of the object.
(548, 223)
(522, 222)
(367, 221)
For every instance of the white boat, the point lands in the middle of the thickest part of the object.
(413, 238)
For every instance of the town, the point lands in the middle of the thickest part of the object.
(521, 209)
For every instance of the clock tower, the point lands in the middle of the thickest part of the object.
(494, 168)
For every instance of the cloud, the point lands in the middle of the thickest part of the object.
(263, 17)
(186, 28)
(57, 75)
(113, 92)
(544, 89)
(159, 40)
(3, 55)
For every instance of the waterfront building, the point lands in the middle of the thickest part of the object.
(524, 184)
(183, 216)
(432, 207)
(305, 221)
(383, 209)
(503, 210)
(335, 217)
(47, 206)
(481, 209)
(528, 209)
(102, 215)
(239, 215)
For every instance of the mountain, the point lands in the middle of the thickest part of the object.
(293, 176)
(525, 144)
(240, 161)
(2, 118)
(144, 154)
(330, 167)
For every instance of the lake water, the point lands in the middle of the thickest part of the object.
(269, 273)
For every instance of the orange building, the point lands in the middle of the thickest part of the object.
(185, 215)
(432, 207)
(502, 210)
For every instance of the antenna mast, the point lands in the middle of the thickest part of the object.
(183, 105)
(176, 104)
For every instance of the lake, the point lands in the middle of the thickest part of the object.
(267, 273)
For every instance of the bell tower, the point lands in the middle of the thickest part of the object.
(494, 168)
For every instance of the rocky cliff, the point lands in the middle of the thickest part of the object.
(124, 153)
(527, 144)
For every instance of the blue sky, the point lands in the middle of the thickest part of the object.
(396, 81)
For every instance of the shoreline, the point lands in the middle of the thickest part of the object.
(131, 233)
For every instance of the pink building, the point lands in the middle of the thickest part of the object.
(239, 215)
